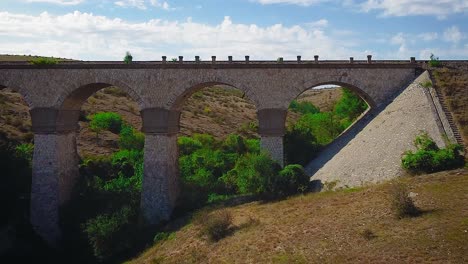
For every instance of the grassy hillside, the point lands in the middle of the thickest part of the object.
(6, 57)
(452, 81)
(347, 226)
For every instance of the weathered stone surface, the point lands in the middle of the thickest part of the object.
(274, 146)
(160, 181)
(271, 122)
(371, 150)
(55, 171)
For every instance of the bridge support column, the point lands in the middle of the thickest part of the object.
(160, 177)
(272, 129)
(54, 169)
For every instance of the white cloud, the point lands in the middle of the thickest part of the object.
(140, 4)
(453, 34)
(90, 37)
(58, 2)
(439, 8)
(428, 36)
(319, 23)
(164, 5)
(292, 2)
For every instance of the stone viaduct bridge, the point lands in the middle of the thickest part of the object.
(55, 94)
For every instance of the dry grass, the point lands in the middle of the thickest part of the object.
(452, 80)
(338, 227)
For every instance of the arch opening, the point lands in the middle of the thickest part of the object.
(218, 130)
(319, 115)
(16, 152)
(108, 147)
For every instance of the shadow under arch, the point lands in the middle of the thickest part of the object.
(182, 97)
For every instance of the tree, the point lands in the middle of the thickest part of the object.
(128, 58)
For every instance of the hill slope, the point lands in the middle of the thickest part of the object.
(334, 227)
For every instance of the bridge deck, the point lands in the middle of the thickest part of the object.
(217, 64)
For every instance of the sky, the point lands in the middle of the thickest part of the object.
(262, 29)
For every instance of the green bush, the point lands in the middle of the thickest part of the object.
(253, 174)
(434, 61)
(128, 58)
(429, 158)
(44, 61)
(25, 151)
(234, 144)
(350, 106)
(106, 121)
(303, 107)
(110, 234)
(290, 180)
(188, 145)
(131, 138)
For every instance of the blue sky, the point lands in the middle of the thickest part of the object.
(263, 29)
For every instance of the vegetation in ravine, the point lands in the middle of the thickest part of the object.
(211, 170)
(305, 138)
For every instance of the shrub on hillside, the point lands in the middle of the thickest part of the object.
(110, 234)
(40, 61)
(188, 145)
(303, 107)
(430, 158)
(434, 61)
(25, 151)
(106, 121)
(349, 107)
(253, 174)
(402, 203)
(215, 225)
(130, 138)
(300, 145)
(290, 180)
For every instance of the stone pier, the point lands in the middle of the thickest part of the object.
(160, 181)
(272, 129)
(55, 169)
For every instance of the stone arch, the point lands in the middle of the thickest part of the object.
(19, 90)
(177, 100)
(344, 81)
(74, 98)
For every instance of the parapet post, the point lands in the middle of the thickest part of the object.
(197, 59)
(316, 57)
(230, 59)
(299, 59)
(247, 59)
(369, 59)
